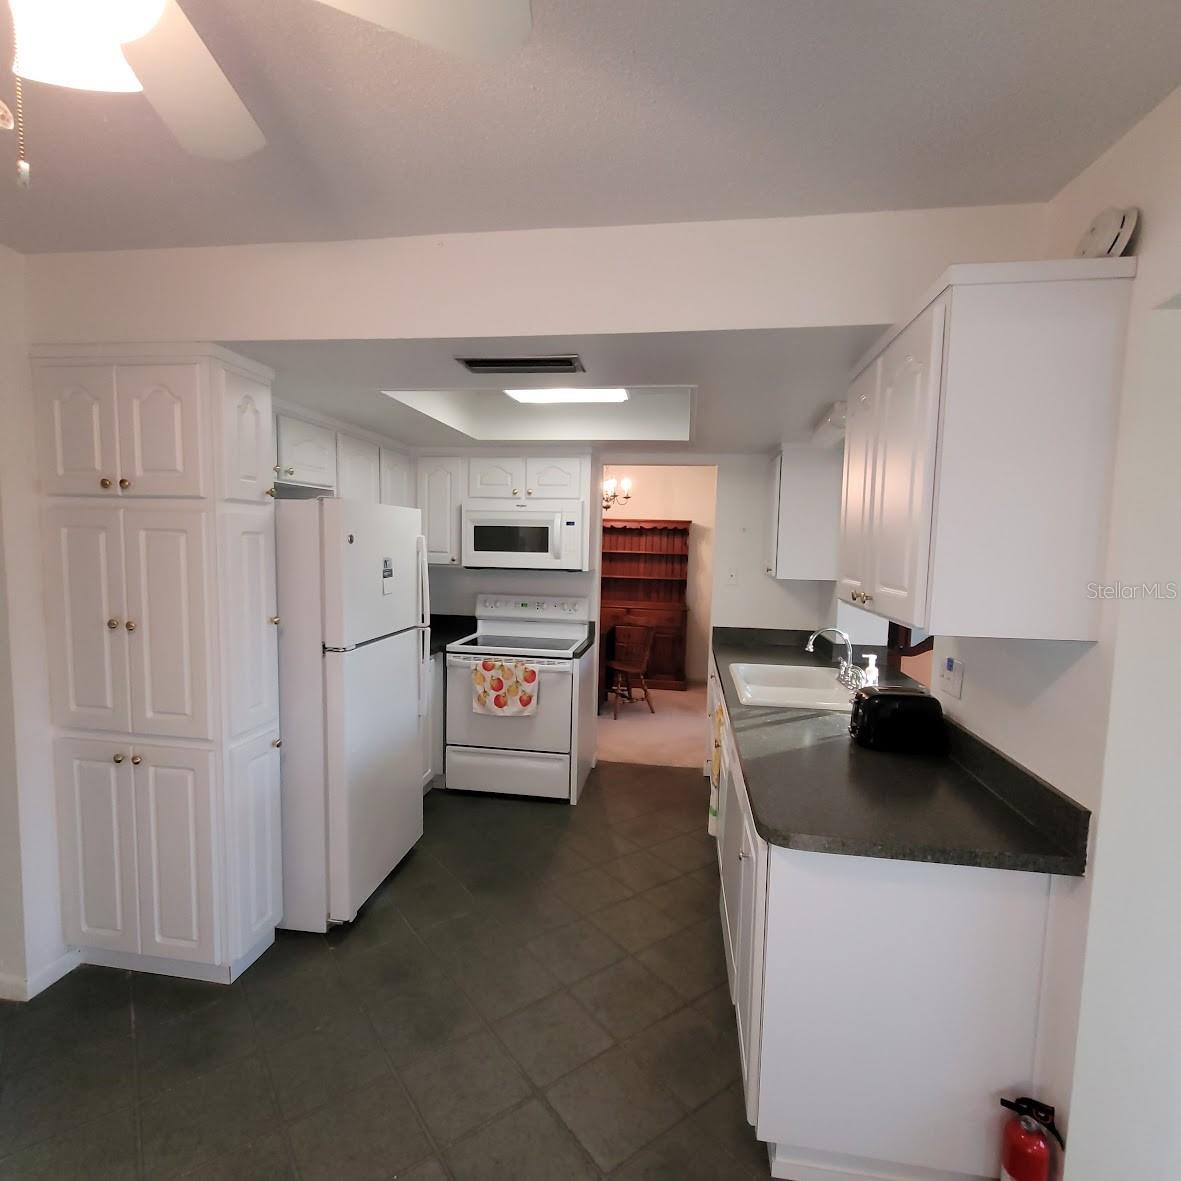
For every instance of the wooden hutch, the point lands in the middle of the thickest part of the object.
(644, 580)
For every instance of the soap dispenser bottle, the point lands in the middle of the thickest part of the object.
(871, 668)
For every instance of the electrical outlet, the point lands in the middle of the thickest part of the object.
(951, 676)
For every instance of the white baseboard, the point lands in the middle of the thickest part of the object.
(20, 988)
(801, 1165)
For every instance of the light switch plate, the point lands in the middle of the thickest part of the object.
(951, 676)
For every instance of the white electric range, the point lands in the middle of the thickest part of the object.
(550, 752)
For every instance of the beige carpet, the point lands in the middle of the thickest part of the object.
(675, 736)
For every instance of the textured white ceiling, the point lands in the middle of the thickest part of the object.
(754, 388)
(616, 112)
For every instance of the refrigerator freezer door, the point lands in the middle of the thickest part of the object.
(374, 767)
(372, 581)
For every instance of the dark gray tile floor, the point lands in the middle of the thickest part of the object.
(538, 992)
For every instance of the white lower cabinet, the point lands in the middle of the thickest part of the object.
(136, 828)
(881, 1005)
(431, 720)
(257, 843)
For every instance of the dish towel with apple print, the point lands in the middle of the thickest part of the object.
(504, 688)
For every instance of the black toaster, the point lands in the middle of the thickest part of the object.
(898, 719)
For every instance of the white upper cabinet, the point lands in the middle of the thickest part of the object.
(77, 429)
(979, 449)
(907, 421)
(160, 415)
(167, 623)
(495, 476)
(250, 622)
(358, 469)
(87, 604)
(306, 453)
(174, 840)
(857, 484)
(554, 479)
(96, 826)
(803, 514)
(441, 482)
(247, 448)
(396, 478)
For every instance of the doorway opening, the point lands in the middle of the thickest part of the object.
(655, 598)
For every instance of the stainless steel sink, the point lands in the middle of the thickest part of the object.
(791, 687)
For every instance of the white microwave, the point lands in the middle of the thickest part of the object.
(523, 534)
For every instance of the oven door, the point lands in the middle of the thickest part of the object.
(533, 535)
(548, 729)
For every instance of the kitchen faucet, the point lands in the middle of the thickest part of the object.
(851, 675)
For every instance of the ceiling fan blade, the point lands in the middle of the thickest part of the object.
(460, 26)
(189, 92)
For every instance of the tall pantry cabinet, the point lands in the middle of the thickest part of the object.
(156, 464)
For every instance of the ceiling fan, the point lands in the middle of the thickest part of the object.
(150, 45)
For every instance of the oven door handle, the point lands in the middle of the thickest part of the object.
(558, 667)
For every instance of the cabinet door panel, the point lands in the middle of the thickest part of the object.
(76, 429)
(730, 865)
(160, 450)
(248, 608)
(857, 483)
(908, 418)
(247, 468)
(174, 836)
(395, 479)
(496, 476)
(257, 839)
(167, 606)
(556, 479)
(96, 823)
(86, 594)
(440, 493)
(358, 470)
(306, 452)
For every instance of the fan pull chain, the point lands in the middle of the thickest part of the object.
(22, 154)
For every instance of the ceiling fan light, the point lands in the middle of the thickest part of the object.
(77, 43)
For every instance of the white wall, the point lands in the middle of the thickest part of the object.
(744, 595)
(680, 493)
(31, 948)
(857, 268)
(1128, 1072)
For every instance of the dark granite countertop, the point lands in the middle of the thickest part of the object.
(446, 629)
(812, 788)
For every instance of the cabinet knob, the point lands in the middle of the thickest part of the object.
(289, 471)
(275, 620)
(528, 491)
(741, 854)
(112, 624)
(276, 742)
(866, 598)
(454, 560)
(130, 625)
(136, 760)
(276, 469)
(516, 492)
(117, 758)
(124, 483)
(104, 482)
(270, 492)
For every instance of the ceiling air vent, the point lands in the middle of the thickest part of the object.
(562, 363)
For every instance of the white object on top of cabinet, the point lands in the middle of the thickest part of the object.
(120, 429)
(803, 524)
(396, 481)
(441, 482)
(358, 469)
(305, 453)
(979, 451)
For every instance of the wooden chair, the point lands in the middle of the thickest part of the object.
(632, 648)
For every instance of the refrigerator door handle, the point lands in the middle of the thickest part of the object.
(424, 585)
(424, 680)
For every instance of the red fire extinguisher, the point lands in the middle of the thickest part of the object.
(1026, 1153)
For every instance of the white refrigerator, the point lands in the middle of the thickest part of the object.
(354, 652)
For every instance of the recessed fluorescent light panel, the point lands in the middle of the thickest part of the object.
(568, 397)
